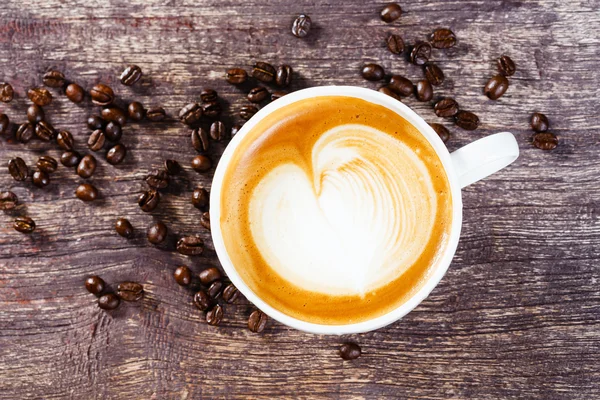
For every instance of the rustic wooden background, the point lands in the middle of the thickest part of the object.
(516, 316)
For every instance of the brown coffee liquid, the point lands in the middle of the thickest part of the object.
(289, 137)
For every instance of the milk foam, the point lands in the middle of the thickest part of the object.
(362, 217)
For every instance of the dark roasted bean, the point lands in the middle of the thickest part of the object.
(40, 179)
(212, 110)
(442, 38)
(18, 169)
(116, 154)
(205, 220)
(420, 53)
(208, 95)
(8, 200)
(433, 73)
(65, 141)
(24, 224)
(263, 72)
(230, 293)
(446, 107)
(4, 123)
(388, 91)
(236, 76)
(283, 76)
(372, 72)
(466, 120)
(75, 93)
(157, 179)
(131, 75)
(70, 158)
(130, 291)
(202, 300)
(215, 289)
(278, 94)
(424, 90)
(209, 275)
(190, 114)
(201, 163)
(25, 132)
(200, 198)
(87, 166)
(391, 12)
(114, 114)
(124, 228)
(156, 114)
(395, 44)
(217, 130)
(109, 301)
(539, 122)
(442, 131)
(86, 192)
(47, 164)
(136, 111)
(102, 95)
(246, 112)
(190, 246)
(95, 285)
(149, 200)
(54, 79)
(301, 26)
(35, 114)
(40, 96)
(44, 131)
(157, 233)
(257, 321)
(545, 140)
(506, 66)
(113, 132)
(95, 122)
(6, 92)
(96, 140)
(172, 167)
(215, 316)
(350, 351)
(401, 85)
(200, 140)
(496, 87)
(182, 275)
(258, 94)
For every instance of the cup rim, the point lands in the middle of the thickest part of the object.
(439, 269)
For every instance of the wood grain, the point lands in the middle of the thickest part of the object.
(516, 316)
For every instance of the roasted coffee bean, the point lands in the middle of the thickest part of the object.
(157, 179)
(40, 179)
(446, 108)
(190, 246)
(350, 351)
(200, 140)
(202, 300)
(209, 275)
(96, 140)
(236, 76)
(401, 85)
(157, 233)
(8, 200)
(545, 140)
(65, 141)
(442, 131)
(130, 291)
(4, 123)
(433, 73)
(372, 72)
(124, 228)
(205, 220)
(424, 90)
(35, 114)
(70, 158)
(388, 91)
(395, 44)
(208, 95)
(200, 198)
(109, 301)
(301, 26)
(113, 132)
(86, 192)
(236, 128)
(258, 94)
(102, 95)
(54, 79)
(172, 167)
(87, 166)
(75, 93)
(212, 110)
(217, 130)
(283, 76)
(496, 87)
(24, 224)
(215, 289)
(183, 275)
(391, 12)
(25, 132)
(149, 200)
(246, 112)
(201, 163)
(40, 96)
(116, 154)
(230, 293)
(6, 92)
(44, 131)
(506, 66)
(190, 114)
(539, 122)
(95, 285)
(278, 94)
(257, 321)
(95, 122)
(442, 38)
(18, 169)
(466, 120)
(420, 53)
(131, 75)
(47, 164)
(215, 316)
(114, 114)
(263, 72)
(136, 111)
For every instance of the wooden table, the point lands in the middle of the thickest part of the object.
(517, 314)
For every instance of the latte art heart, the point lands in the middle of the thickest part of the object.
(357, 222)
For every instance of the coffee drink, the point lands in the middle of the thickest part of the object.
(335, 210)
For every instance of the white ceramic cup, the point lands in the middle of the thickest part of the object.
(463, 167)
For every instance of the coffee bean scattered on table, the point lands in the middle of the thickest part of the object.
(283, 76)
(391, 12)
(258, 94)
(301, 26)
(54, 79)
(86, 192)
(65, 140)
(6, 92)
(388, 91)
(263, 72)
(433, 73)
(4, 123)
(8, 200)
(95, 122)
(75, 93)
(442, 38)
(182, 275)
(70, 158)
(18, 169)
(130, 75)
(130, 291)
(172, 167)
(25, 132)
(44, 131)
(247, 112)
(257, 321)
(401, 86)
(136, 111)
(209, 275)
(424, 90)
(149, 200)
(124, 228)
(157, 233)
(214, 290)
(212, 110)
(442, 131)
(114, 114)
(420, 54)
(190, 114)
(95, 285)
(24, 225)
(372, 72)
(230, 293)
(200, 198)
(96, 140)
(40, 179)
(102, 95)
(113, 132)
(116, 154)
(156, 114)
(545, 141)
(217, 131)
(35, 113)
(395, 44)
(47, 164)
(109, 301)
(158, 179)
(496, 87)
(446, 107)
(202, 300)
(205, 220)
(208, 95)
(40, 96)
(350, 351)
(201, 163)
(539, 122)
(236, 76)
(190, 246)
(215, 316)
(200, 140)
(506, 66)
(466, 120)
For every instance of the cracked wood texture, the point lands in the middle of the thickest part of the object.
(517, 314)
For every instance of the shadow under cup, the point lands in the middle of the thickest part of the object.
(294, 143)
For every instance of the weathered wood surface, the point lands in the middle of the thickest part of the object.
(516, 316)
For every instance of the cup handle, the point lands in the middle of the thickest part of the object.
(484, 157)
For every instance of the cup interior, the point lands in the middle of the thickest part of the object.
(438, 270)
